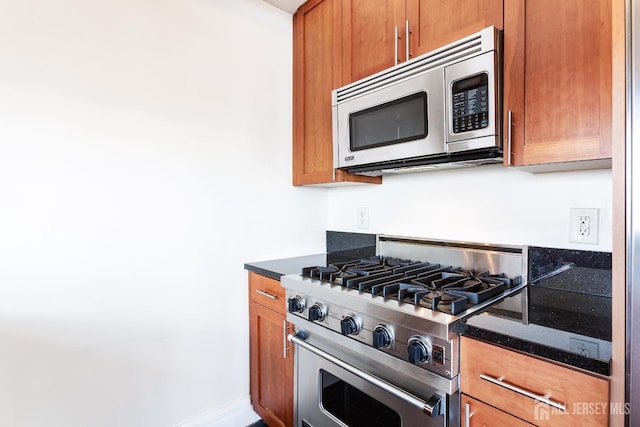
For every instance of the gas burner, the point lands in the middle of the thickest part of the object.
(434, 286)
(447, 302)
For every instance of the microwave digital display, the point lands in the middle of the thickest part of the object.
(400, 120)
(470, 103)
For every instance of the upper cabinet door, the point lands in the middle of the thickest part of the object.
(369, 37)
(557, 80)
(435, 23)
(316, 44)
(317, 70)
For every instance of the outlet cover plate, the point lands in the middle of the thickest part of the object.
(583, 225)
(363, 218)
(584, 347)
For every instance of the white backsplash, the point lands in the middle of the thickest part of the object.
(485, 204)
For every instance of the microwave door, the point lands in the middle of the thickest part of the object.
(400, 120)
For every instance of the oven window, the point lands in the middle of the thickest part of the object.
(353, 407)
(401, 120)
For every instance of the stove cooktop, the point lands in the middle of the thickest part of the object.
(406, 301)
(434, 286)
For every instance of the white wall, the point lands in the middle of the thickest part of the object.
(484, 204)
(145, 155)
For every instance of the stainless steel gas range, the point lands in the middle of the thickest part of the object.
(375, 338)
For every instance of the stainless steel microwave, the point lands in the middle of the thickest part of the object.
(439, 110)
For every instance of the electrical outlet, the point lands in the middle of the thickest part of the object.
(583, 225)
(363, 218)
(583, 347)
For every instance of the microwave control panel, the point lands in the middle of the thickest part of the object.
(470, 103)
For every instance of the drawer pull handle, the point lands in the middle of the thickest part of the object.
(467, 415)
(540, 398)
(266, 294)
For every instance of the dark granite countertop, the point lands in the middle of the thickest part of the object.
(340, 246)
(564, 314)
(277, 268)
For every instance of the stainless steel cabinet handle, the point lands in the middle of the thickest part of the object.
(431, 408)
(510, 123)
(266, 294)
(407, 32)
(395, 41)
(284, 339)
(540, 398)
(467, 415)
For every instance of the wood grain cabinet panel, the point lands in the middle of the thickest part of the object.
(317, 70)
(435, 23)
(267, 292)
(584, 396)
(474, 413)
(271, 356)
(373, 37)
(557, 80)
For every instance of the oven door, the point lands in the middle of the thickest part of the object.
(332, 392)
(402, 120)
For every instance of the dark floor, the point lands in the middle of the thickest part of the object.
(258, 423)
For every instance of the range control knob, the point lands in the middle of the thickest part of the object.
(317, 312)
(350, 324)
(296, 304)
(419, 350)
(382, 337)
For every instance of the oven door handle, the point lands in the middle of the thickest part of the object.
(431, 407)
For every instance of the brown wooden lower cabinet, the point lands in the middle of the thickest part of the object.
(271, 356)
(474, 413)
(502, 378)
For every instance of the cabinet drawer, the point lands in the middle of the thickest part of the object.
(508, 380)
(481, 414)
(266, 291)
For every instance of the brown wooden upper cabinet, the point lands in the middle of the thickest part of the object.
(336, 42)
(557, 81)
(435, 23)
(317, 62)
(373, 37)
(375, 32)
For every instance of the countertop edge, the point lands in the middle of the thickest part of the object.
(263, 271)
(277, 268)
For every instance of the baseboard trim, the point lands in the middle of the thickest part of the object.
(235, 414)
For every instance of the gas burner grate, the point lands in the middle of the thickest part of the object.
(438, 287)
